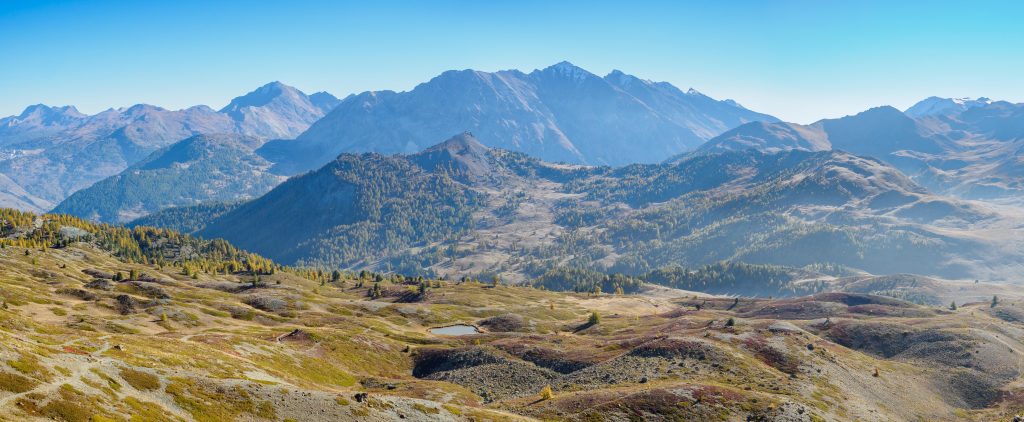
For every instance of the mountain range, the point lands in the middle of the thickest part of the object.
(932, 190)
(51, 152)
(967, 149)
(461, 207)
(562, 113)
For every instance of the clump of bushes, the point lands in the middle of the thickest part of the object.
(140, 380)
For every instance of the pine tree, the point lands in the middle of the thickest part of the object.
(375, 292)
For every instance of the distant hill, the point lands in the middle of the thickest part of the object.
(356, 206)
(276, 110)
(462, 207)
(203, 168)
(560, 113)
(965, 148)
(936, 106)
(52, 152)
(185, 219)
(14, 196)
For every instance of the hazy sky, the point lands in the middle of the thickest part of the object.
(798, 60)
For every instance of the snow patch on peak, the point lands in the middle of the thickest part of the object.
(932, 106)
(972, 102)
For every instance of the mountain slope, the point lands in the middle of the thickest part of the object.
(968, 149)
(148, 324)
(878, 132)
(276, 110)
(936, 106)
(561, 113)
(52, 152)
(37, 121)
(13, 196)
(460, 206)
(202, 168)
(356, 206)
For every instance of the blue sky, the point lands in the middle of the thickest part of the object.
(798, 60)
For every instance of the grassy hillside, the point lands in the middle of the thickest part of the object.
(104, 323)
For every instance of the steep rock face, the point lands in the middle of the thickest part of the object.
(52, 152)
(560, 113)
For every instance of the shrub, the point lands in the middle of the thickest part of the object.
(140, 380)
(15, 383)
(546, 393)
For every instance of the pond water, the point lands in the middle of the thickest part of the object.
(455, 330)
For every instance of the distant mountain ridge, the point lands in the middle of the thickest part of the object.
(460, 206)
(933, 106)
(200, 169)
(51, 152)
(560, 113)
(966, 148)
(276, 110)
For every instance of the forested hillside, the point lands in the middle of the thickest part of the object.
(144, 245)
(461, 207)
(200, 169)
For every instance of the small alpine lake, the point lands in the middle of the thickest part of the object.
(455, 330)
